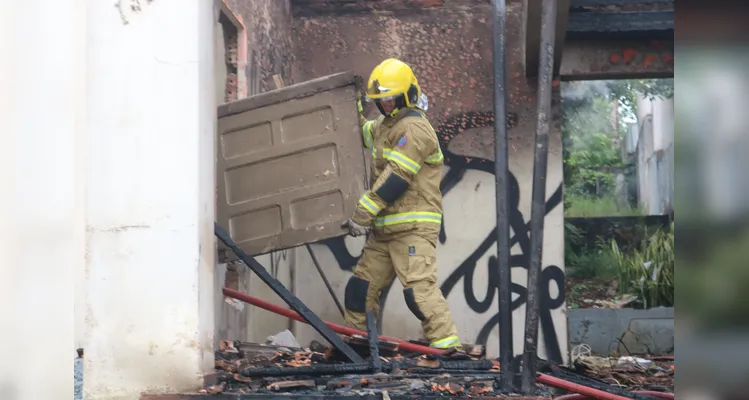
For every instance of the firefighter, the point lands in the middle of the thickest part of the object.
(402, 212)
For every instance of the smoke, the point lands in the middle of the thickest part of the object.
(582, 90)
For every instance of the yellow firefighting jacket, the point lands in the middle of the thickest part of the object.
(406, 170)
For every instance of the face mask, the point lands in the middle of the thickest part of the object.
(423, 103)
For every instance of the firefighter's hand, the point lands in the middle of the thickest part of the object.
(355, 229)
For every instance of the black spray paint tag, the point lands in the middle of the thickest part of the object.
(411, 250)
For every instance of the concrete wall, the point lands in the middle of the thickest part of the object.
(655, 154)
(640, 331)
(149, 176)
(450, 50)
(42, 214)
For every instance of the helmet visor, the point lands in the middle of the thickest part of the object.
(379, 92)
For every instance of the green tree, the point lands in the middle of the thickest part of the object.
(592, 140)
(625, 91)
(591, 147)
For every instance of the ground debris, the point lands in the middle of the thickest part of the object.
(291, 385)
(630, 373)
(263, 369)
(267, 368)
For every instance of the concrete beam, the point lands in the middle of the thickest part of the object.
(590, 60)
(533, 34)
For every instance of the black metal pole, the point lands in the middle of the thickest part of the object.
(374, 343)
(501, 181)
(538, 201)
(287, 296)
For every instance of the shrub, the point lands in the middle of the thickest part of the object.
(648, 272)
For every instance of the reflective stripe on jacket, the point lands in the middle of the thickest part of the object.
(406, 161)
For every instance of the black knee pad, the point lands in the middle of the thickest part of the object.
(355, 298)
(411, 303)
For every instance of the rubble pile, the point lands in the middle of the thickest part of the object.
(249, 368)
(632, 373)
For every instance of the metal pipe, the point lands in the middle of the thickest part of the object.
(341, 329)
(577, 388)
(290, 299)
(538, 200)
(324, 279)
(501, 183)
(660, 395)
(411, 347)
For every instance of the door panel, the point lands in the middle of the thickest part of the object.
(290, 164)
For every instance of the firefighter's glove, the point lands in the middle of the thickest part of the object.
(355, 229)
(359, 104)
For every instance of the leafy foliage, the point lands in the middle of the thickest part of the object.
(573, 237)
(648, 272)
(625, 92)
(595, 118)
(591, 147)
(594, 126)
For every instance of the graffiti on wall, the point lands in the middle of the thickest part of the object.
(447, 131)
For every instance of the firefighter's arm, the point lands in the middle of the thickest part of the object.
(367, 126)
(404, 162)
(368, 129)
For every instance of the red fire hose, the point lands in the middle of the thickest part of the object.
(343, 330)
(577, 388)
(411, 347)
(660, 395)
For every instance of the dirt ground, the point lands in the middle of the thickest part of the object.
(583, 293)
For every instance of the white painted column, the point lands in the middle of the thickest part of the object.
(42, 225)
(150, 197)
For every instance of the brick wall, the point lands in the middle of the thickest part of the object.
(270, 50)
(449, 46)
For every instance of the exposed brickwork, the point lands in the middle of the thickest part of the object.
(231, 88)
(312, 7)
(450, 50)
(270, 48)
(227, 396)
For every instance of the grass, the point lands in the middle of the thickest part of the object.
(600, 264)
(585, 206)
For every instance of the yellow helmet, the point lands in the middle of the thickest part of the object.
(394, 79)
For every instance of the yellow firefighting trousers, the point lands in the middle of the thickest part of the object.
(412, 258)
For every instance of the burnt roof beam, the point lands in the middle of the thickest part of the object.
(603, 3)
(621, 25)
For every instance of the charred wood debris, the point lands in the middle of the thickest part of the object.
(362, 364)
(262, 369)
(251, 368)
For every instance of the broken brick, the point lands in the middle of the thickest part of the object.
(290, 385)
